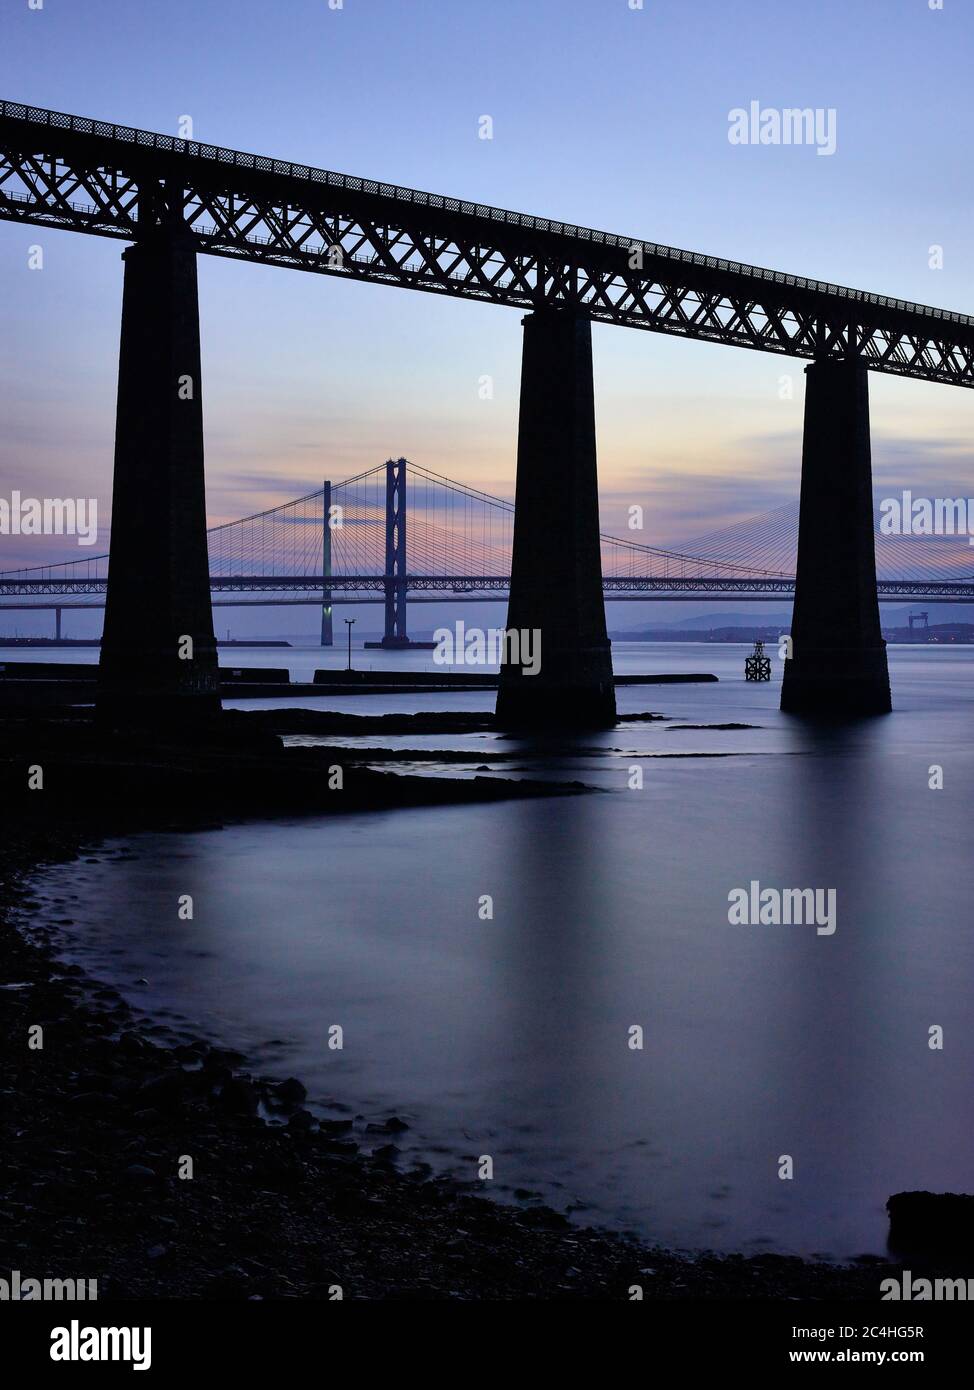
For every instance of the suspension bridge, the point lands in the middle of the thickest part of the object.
(173, 200)
(400, 531)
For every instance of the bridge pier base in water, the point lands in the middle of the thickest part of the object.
(556, 571)
(838, 658)
(158, 654)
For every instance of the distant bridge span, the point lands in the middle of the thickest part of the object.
(457, 547)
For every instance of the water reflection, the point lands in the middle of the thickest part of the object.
(510, 1036)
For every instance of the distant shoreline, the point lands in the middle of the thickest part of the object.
(96, 642)
(941, 635)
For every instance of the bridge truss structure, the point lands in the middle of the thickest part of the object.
(86, 175)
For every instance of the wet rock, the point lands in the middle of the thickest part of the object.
(391, 1126)
(232, 1282)
(544, 1218)
(339, 1148)
(138, 1173)
(334, 1127)
(215, 1074)
(239, 1095)
(164, 1092)
(932, 1222)
(291, 1091)
(94, 1102)
(225, 1056)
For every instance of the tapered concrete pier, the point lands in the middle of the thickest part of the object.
(556, 573)
(158, 654)
(838, 663)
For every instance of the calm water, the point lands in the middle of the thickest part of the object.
(509, 1037)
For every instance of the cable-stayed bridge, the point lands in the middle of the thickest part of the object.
(400, 530)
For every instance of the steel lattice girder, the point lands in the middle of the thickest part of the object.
(91, 176)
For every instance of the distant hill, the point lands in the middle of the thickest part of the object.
(705, 621)
(897, 615)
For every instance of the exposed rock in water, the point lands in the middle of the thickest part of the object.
(291, 1091)
(931, 1222)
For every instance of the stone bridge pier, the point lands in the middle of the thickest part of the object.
(158, 655)
(556, 571)
(838, 662)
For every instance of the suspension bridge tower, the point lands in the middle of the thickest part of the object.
(327, 631)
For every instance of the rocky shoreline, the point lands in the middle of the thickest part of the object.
(96, 1128)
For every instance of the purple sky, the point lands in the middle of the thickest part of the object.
(605, 115)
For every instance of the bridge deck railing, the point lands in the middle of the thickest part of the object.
(84, 125)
